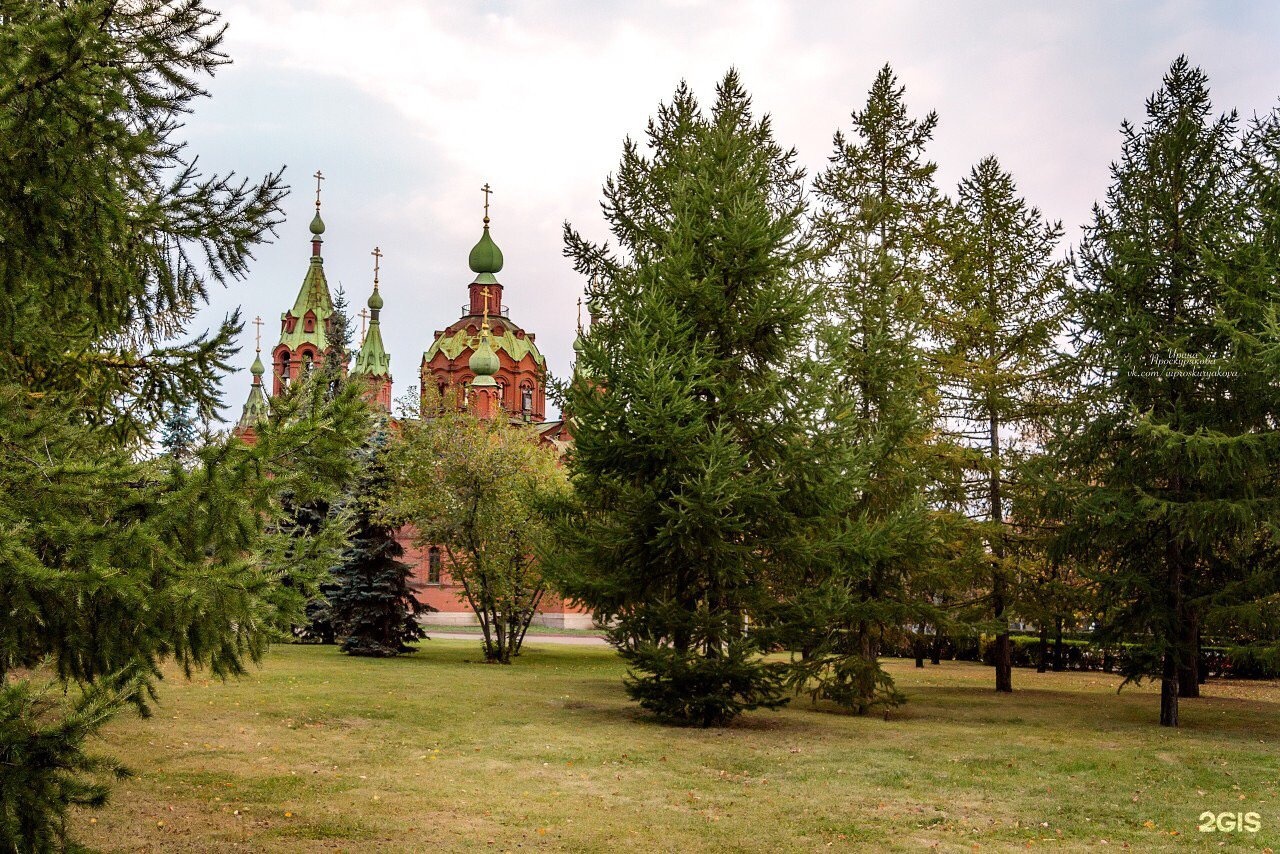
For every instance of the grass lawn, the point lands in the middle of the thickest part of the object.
(438, 752)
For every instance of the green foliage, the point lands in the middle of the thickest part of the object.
(697, 465)
(1167, 467)
(372, 606)
(879, 211)
(477, 488)
(998, 314)
(47, 770)
(111, 561)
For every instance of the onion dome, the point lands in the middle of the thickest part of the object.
(317, 224)
(257, 369)
(484, 362)
(485, 256)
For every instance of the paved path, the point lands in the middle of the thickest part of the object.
(529, 640)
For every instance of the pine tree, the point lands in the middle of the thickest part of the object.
(372, 605)
(875, 229)
(1169, 495)
(999, 312)
(111, 560)
(697, 448)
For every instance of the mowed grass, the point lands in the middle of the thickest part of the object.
(436, 751)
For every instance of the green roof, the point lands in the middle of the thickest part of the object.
(373, 359)
(314, 297)
(255, 408)
(454, 345)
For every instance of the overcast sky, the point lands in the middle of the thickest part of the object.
(409, 107)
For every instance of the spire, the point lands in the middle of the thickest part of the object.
(255, 408)
(484, 362)
(373, 360)
(257, 369)
(486, 258)
(317, 224)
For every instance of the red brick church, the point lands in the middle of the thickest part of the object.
(483, 360)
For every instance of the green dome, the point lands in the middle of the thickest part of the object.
(578, 344)
(375, 300)
(257, 369)
(484, 362)
(317, 225)
(485, 256)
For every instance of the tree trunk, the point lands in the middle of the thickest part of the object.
(935, 648)
(1059, 663)
(1169, 691)
(1042, 656)
(1189, 670)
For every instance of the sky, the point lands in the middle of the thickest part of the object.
(408, 107)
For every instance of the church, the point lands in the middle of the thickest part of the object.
(483, 360)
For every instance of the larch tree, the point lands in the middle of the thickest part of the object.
(113, 561)
(1172, 493)
(697, 465)
(875, 230)
(998, 314)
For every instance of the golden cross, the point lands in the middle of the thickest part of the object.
(364, 315)
(319, 176)
(377, 260)
(485, 189)
(257, 321)
(579, 315)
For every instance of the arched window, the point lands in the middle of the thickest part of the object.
(309, 323)
(433, 565)
(308, 361)
(284, 369)
(526, 399)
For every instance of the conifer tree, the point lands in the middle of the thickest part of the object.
(695, 406)
(999, 311)
(111, 560)
(372, 606)
(1170, 493)
(875, 231)
(179, 434)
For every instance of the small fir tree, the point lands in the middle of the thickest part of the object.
(372, 603)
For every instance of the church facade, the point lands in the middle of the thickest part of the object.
(483, 360)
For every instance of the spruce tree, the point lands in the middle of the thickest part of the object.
(693, 407)
(371, 603)
(999, 311)
(1170, 493)
(112, 560)
(879, 211)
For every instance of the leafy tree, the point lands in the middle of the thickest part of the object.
(372, 605)
(879, 211)
(112, 562)
(999, 313)
(476, 488)
(697, 462)
(1169, 494)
